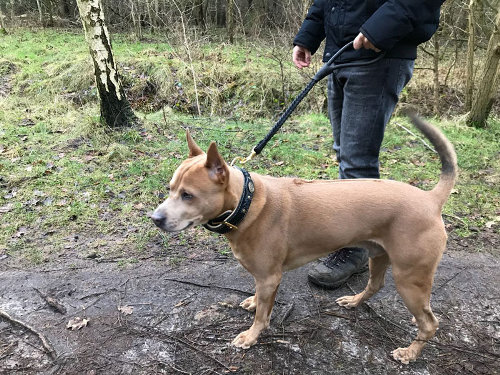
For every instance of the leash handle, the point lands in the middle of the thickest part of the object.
(330, 65)
(325, 70)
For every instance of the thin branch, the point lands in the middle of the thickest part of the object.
(52, 302)
(421, 139)
(46, 344)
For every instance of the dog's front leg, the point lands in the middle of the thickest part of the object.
(265, 292)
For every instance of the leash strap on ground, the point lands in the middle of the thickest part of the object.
(325, 70)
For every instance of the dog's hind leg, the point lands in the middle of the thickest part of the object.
(378, 265)
(414, 285)
(265, 293)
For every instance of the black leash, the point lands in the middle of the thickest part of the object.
(325, 70)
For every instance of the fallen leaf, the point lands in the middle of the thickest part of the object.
(10, 195)
(489, 224)
(6, 208)
(225, 304)
(126, 310)
(77, 323)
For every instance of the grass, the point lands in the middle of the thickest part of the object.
(65, 179)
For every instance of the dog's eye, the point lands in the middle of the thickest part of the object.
(186, 196)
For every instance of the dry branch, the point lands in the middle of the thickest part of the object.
(52, 302)
(46, 344)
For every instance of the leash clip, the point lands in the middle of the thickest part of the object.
(243, 160)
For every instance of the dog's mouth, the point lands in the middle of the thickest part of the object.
(189, 225)
(162, 223)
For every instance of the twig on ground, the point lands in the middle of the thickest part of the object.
(209, 286)
(412, 133)
(380, 316)
(336, 314)
(286, 314)
(46, 344)
(52, 302)
(447, 281)
(7, 348)
(175, 368)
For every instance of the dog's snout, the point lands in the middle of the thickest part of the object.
(158, 219)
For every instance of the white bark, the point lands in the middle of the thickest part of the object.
(96, 34)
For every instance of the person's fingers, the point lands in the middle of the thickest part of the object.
(301, 57)
(362, 41)
(358, 41)
(369, 45)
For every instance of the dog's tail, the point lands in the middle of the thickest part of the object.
(447, 155)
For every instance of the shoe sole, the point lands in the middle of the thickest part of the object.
(338, 283)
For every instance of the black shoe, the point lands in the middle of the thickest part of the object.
(338, 267)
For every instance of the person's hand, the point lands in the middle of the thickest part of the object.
(362, 42)
(301, 57)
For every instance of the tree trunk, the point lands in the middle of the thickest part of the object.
(469, 86)
(3, 31)
(115, 109)
(305, 8)
(40, 12)
(156, 14)
(64, 9)
(230, 20)
(435, 68)
(51, 14)
(481, 105)
(199, 12)
(136, 20)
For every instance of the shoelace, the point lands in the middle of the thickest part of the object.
(337, 258)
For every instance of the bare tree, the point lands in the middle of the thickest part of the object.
(230, 20)
(469, 85)
(483, 100)
(115, 109)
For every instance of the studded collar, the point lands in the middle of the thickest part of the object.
(230, 219)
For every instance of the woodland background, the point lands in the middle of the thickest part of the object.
(451, 71)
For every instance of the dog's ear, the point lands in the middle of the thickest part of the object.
(218, 170)
(194, 149)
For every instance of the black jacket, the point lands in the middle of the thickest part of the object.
(394, 26)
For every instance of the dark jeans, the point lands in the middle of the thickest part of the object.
(360, 103)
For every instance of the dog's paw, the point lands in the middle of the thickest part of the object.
(244, 340)
(404, 355)
(348, 301)
(250, 304)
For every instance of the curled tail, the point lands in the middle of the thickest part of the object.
(446, 153)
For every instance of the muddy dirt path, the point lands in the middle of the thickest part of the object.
(180, 319)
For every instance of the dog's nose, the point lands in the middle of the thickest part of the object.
(158, 219)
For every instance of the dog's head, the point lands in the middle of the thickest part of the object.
(197, 190)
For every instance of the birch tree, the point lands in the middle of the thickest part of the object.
(115, 109)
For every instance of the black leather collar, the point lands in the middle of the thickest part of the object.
(230, 220)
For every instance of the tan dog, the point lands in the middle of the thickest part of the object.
(291, 222)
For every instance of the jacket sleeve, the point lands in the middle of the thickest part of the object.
(312, 31)
(396, 19)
